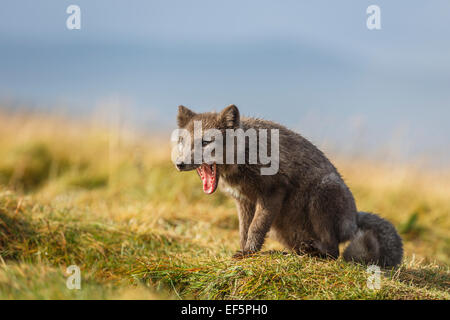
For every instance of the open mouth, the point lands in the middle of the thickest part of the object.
(208, 174)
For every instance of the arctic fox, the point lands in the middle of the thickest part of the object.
(305, 204)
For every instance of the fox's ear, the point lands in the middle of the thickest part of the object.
(184, 116)
(230, 116)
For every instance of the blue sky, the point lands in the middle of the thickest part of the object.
(312, 65)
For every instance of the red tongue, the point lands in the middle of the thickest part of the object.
(208, 177)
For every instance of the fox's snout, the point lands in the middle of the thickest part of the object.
(182, 166)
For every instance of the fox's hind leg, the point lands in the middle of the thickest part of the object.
(315, 248)
(331, 205)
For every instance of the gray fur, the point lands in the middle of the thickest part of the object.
(306, 206)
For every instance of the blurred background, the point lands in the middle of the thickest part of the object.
(313, 66)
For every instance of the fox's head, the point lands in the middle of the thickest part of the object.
(203, 134)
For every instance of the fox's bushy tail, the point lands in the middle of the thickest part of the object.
(375, 242)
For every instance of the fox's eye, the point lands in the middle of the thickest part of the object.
(205, 143)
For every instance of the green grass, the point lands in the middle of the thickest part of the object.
(137, 228)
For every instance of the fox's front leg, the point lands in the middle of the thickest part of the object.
(266, 209)
(246, 212)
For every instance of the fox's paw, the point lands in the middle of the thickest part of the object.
(242, 254)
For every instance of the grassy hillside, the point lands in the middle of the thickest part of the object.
(110, 202)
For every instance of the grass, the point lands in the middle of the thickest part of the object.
(110, 202)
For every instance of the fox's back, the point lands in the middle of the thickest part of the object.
(300, 161)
